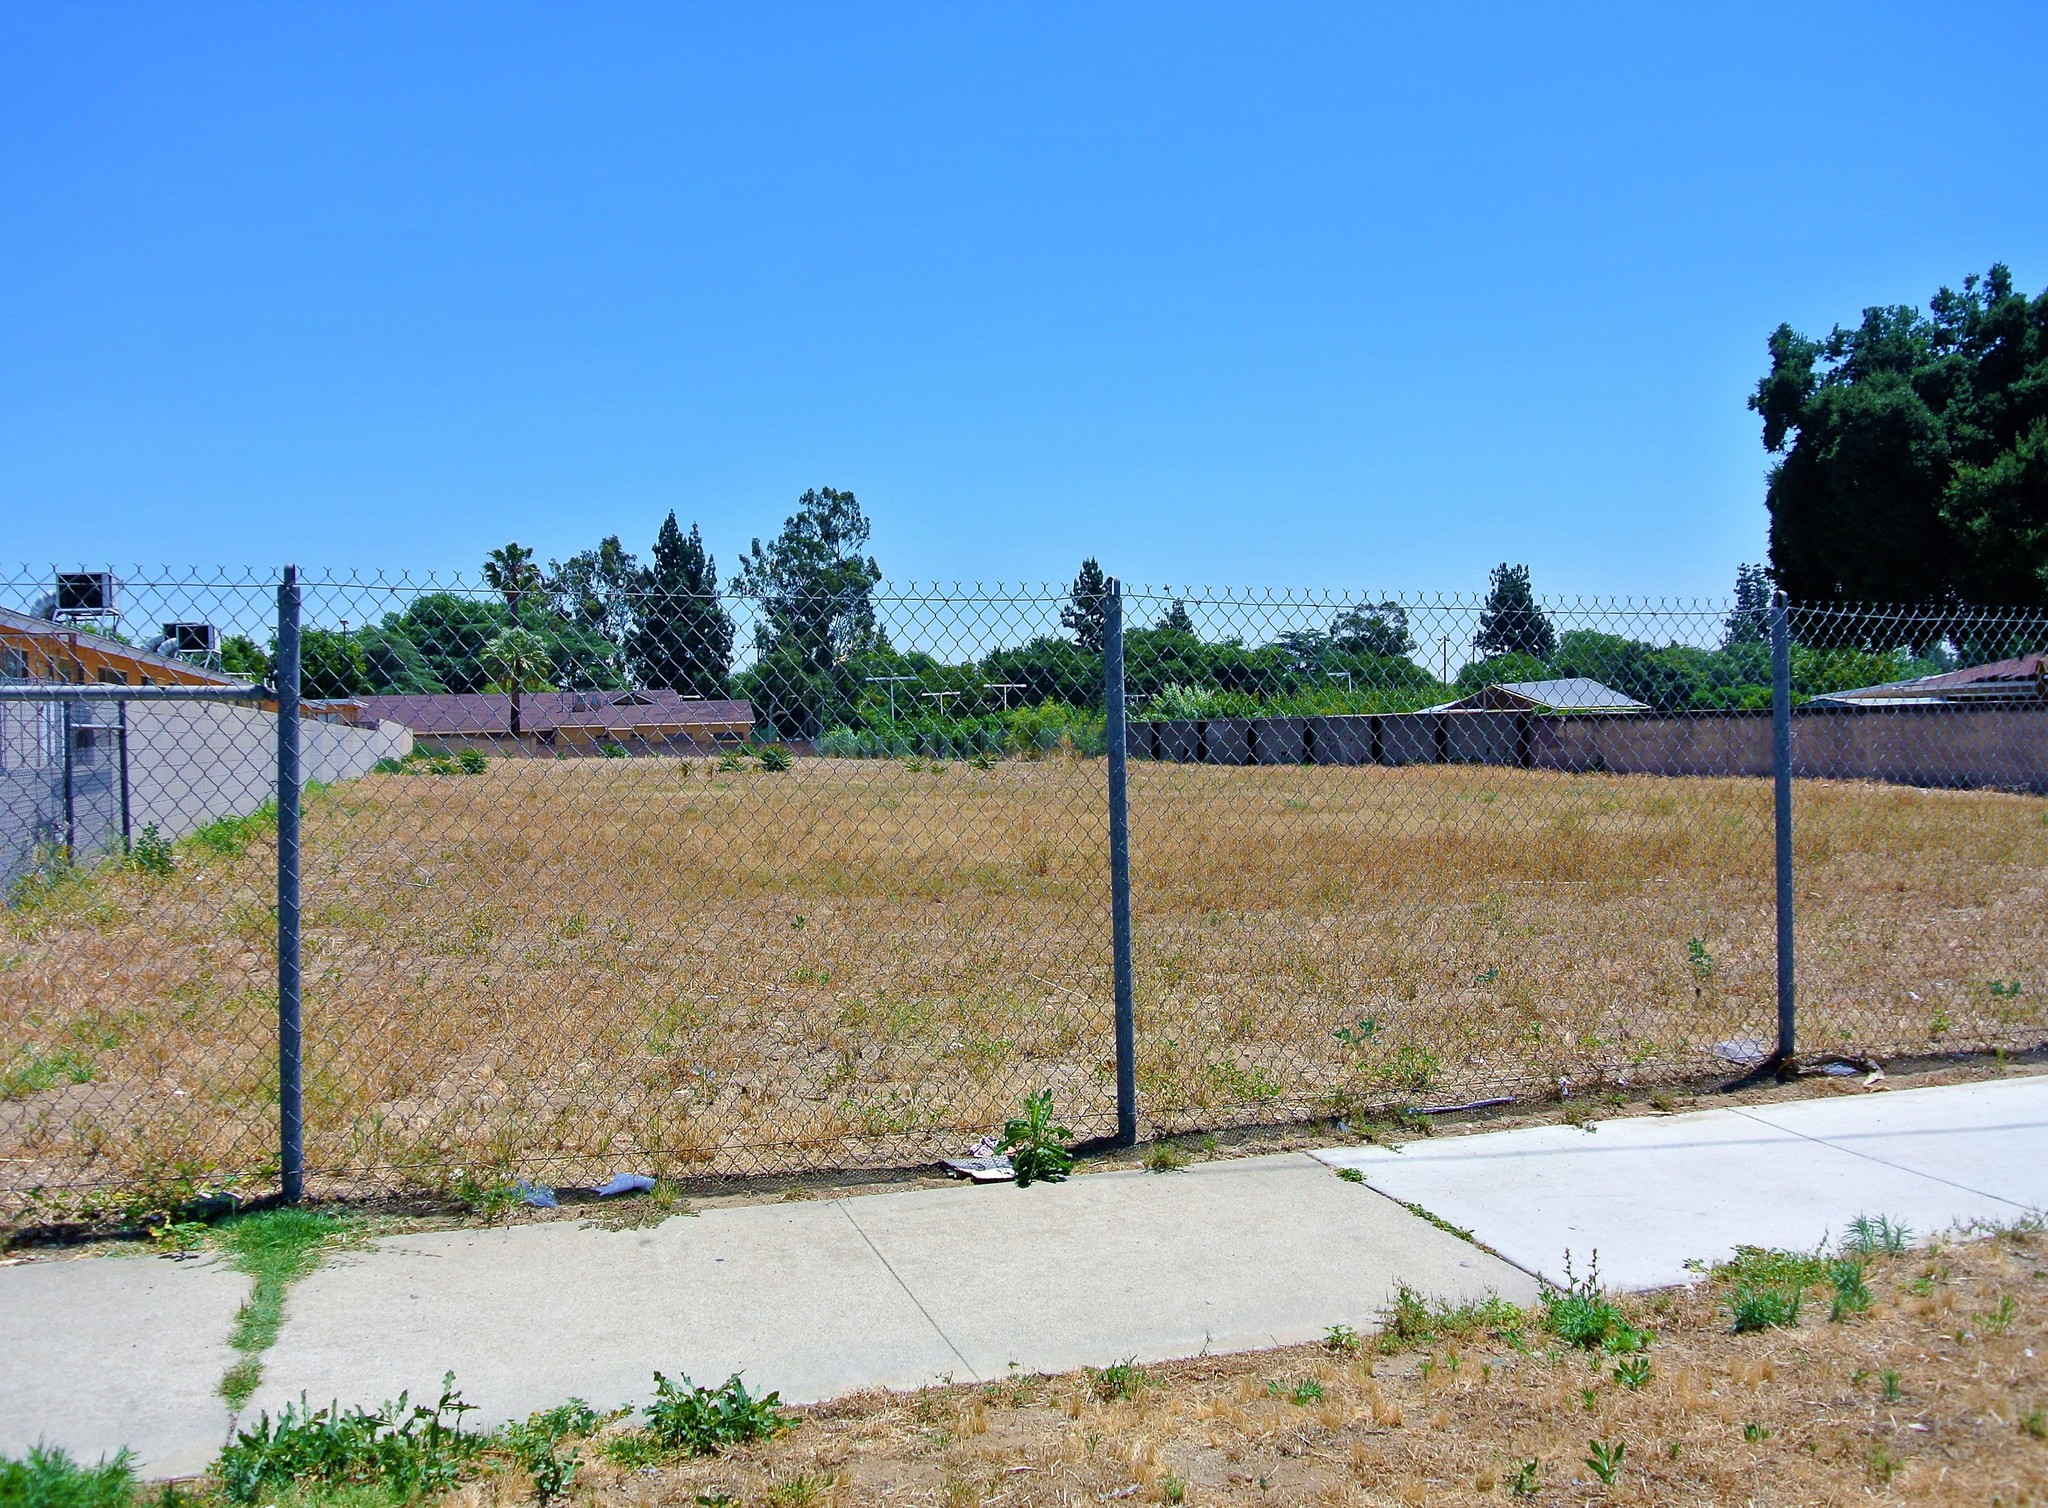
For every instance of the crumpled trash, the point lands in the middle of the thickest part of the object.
(982, 1164)
(538, 1195)
(624, 1183)
(1741, 1051)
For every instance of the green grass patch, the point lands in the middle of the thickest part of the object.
(47, 1478)
(1765, 1289)
(1413, 1320)
(276, 1248)
(227, 837)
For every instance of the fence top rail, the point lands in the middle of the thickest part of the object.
(63, 691)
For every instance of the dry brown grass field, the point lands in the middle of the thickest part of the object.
(572, 967)
(1937, 1394)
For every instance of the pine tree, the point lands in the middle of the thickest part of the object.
(1511, 623)
(1177, 619)
(1085, 616)
(682, 635)
(1750, 620)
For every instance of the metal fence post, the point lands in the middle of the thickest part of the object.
(1781, 774)
(290, 1105)
(1120, 861)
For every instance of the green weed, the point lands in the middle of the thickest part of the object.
(1119, 1381)
(2035, 1423)
(227, 837)
(1579, 1314)
(1165, 1157)
(1036, 1143)
(47, 1478)
(152, 853)
(484, 1198)
(1605, 1460)
(1888, 1385)
(403, 1453)
(1751, 1309)
(1411, 1320)
(1525, 1481)
(535, 1444)
(1852, 1293)
(1351, 1175)
(1633, 1372)
(703, 1421)
(801, 1490)
(1870, 1237)
(773, 757)
(1342, 1339)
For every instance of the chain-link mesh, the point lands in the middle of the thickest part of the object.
(1922, 876)
(603, 877)
(1443, 849)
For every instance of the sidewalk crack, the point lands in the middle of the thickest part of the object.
(890, 1268)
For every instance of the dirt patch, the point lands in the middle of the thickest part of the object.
(568, 968)
(1936, 1394)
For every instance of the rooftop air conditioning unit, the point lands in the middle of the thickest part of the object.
(191, 640)
(85, 594)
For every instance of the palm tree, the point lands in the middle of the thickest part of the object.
(511, 571)
(519, 662)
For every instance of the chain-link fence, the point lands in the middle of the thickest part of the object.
(600, 875)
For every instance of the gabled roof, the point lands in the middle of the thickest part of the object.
(2023, 678)
(481, 712)
(1567, 694)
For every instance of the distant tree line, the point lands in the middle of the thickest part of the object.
(822, 661)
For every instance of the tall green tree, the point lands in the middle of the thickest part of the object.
(331, 664)
(595, 589)
(1749, 620)
(449, 631)
(1086, 615)
(1378, 630)
(1912, 457)
(1176, 619)
(682, 635)
(814, 588)
(1510, 621)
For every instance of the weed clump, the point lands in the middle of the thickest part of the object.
(696, 1421)
(1581, 1315)
(49, 1478)
(1412, 1320)
(1119, 1382)
(405, 1453)
(1767, 1288)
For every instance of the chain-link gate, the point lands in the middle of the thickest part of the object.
(594, 876)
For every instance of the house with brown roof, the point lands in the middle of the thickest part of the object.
(2018, 682)
(564, 723)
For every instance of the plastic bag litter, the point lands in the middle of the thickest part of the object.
(538, 1195)
(624, 1183)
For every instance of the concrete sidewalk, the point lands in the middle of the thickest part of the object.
(894, 1290)
(815, 1299)
(1653, 1193)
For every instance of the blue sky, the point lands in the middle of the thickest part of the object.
(1309, 295)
